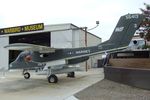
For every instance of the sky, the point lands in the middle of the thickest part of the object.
(82, 13)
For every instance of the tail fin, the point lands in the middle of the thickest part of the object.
(123, 32)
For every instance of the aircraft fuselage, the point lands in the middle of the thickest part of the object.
(64, 54)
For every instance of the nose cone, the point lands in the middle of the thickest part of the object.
(10, 65)
(13, 65)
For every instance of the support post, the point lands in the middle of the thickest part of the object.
(86, 64)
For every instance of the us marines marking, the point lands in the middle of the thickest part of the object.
(83, 51)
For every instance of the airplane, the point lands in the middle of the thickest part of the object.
(54, 61)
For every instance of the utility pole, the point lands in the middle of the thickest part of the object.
(86, 42)
(86, 64)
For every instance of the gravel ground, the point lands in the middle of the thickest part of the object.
(109, 90)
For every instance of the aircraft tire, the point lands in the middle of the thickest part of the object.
(71, 74)
(52, 79)
(26, 75)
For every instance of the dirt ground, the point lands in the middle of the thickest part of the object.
(109, 90)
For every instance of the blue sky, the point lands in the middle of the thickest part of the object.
(79, 12)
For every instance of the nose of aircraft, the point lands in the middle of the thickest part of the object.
(21, 60)
(13, 65)
(24, 65)
(16, 65)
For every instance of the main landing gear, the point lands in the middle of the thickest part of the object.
(71, 75)
(52, 78)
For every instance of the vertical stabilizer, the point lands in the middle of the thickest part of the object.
(124, 31)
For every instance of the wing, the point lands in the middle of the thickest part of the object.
(32, 47)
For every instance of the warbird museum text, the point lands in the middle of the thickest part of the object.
(25, 28)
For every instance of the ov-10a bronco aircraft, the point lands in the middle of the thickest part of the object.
(54, 61)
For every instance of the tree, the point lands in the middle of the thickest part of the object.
(144, 30)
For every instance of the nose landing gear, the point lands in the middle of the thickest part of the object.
(26, 74)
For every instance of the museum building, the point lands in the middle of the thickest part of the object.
(57, 36)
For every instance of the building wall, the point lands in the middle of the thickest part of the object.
(82, 38)
(93, 40)
(61, 39)
(62, 36)
(4, 55)
(75, 38)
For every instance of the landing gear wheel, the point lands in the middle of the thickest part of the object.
(26, 75)
(71, 74)
(52, 79)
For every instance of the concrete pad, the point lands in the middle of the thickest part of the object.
(71, 98)
(109, 90)
(15, 87)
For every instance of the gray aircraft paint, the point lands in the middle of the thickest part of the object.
(120, 39)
